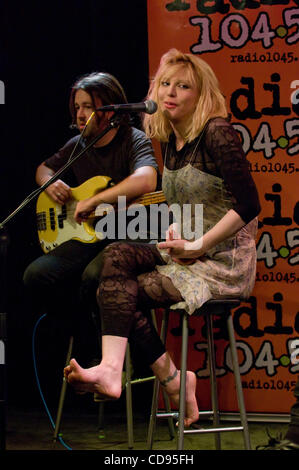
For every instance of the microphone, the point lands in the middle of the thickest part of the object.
(148, 107)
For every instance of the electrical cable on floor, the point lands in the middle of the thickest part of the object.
(38, 382)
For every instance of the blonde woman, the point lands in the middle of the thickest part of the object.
(204, 164)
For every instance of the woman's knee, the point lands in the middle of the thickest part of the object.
(115, 258)
(90, 281)
(114, 249)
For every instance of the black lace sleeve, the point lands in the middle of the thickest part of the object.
(224, 146)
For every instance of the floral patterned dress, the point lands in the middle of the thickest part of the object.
(228, 269)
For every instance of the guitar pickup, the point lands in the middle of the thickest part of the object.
(52, 218)
(62, 216)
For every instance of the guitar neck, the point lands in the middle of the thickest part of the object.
(144, 200)
(149, 198)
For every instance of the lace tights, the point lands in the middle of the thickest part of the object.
(129, 287)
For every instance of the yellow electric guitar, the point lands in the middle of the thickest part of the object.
(56, 223)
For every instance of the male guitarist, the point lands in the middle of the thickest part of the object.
(58, 278)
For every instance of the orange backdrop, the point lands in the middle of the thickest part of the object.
(253, 48)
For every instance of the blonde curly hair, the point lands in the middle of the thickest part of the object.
(211, 102)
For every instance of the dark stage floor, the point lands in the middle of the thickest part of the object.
(30, 429)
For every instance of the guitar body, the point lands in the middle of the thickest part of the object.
(56, 223)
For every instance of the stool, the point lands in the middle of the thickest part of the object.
(210, 308)
(62, 399)
(101, 403)
(128, 388)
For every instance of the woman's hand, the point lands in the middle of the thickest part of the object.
(173, 232)
(182, 251)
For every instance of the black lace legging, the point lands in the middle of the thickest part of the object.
(129, 287)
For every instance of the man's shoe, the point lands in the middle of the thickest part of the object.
(286, 444)
(278, 444)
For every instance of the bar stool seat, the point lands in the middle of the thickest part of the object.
(208, 310)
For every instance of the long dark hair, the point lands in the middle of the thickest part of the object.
(100, 84)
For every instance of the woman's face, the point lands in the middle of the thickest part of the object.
(178, 95)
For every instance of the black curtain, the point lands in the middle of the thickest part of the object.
(44, 47)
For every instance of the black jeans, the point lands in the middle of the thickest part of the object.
(63, 284)
(64, 281)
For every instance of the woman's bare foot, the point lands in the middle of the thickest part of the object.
(172, 390)
(100, 379)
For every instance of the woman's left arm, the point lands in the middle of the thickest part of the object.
(224, 145)
(230, 224)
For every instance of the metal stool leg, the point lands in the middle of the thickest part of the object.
(154, 409)
(129, 399)
(130, 382)
(213, 379)
(101, 431)
(163, 334)
(182, 402)
(239, 390)
(171, 429)
(63, 392)
(219, 307)
(155, 398)
(101, 414)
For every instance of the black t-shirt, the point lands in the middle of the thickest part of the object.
(130, 149)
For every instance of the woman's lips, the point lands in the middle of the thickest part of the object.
(170, 105)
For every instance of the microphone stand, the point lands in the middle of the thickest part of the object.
(4, 241)
(114, 122)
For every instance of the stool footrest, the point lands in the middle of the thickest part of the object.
(219, 429)
(173, 414)
(203, 430)
(143, 379)
(210, 421)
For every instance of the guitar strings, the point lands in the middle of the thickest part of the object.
(44, 216)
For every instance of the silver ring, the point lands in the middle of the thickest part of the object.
(58, 194)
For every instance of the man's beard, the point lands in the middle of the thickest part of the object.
(96, 126)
